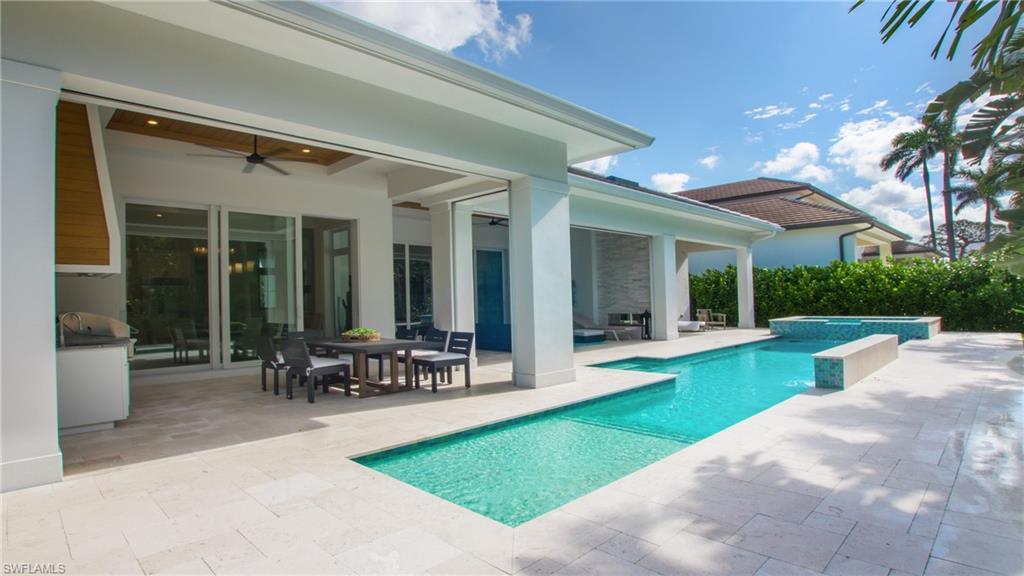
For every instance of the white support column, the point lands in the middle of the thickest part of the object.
(663, 286)
(452, 278)
(28, 361)
(464, 284)
(885, 252)
(542, 353)
(745, 286)
(441, 266)
(683, 282)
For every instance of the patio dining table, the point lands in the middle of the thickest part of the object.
(364, 385)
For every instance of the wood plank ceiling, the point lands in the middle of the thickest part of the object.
(210, 136)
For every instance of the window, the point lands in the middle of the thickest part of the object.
(413, 289)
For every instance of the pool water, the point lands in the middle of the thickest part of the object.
(515, 471)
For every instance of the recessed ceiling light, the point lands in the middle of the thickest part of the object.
(159, 215)
(152, 122)
(306, 150)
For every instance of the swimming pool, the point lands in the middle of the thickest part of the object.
(515, 471)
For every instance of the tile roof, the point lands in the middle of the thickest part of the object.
(743, 188)
(738, 195)
(790, 213)
(901, 247)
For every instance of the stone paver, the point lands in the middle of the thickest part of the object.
(916, 470)
(793, 543)
(887, 546)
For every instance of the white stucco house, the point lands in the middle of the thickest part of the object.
(819, 227)
(194, 170)
(902, 250)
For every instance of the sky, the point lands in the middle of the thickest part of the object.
(730, 90)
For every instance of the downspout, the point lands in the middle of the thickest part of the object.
(842, 253)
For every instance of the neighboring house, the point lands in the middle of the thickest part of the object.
(902, 250)
(209, 172)
(819, 227)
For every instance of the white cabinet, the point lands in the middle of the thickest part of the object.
(92, 387)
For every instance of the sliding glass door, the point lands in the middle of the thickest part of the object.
(259, 280)
(167, 285)
(204, 284)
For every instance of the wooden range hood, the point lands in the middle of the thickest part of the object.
(88, 239)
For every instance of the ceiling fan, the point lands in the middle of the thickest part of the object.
(255, 158)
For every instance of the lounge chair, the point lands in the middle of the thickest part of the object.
(583, 327)
(686, 325)
(710, 319)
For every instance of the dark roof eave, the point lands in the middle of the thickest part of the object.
(807, 225)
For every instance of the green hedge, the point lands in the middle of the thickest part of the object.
(969, 294)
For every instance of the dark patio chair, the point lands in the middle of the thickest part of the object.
(401, 333)
(307, 368)
(431, 334)
(306, 335)
(459, 347)
(270, 359)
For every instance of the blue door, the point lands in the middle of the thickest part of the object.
(492, 332)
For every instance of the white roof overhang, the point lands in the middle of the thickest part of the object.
(669, 203)
(323, 38)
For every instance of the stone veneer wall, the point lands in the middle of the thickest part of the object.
(623, 274)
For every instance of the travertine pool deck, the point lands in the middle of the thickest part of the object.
(916, 470)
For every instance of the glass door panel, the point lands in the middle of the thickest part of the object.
(167, 285)
(341, 278)
(261, 289)
(421, 303)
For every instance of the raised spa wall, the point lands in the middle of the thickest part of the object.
(821, 328)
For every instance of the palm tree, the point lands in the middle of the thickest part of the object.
(910, 151)
(945, 131)
(981, 186)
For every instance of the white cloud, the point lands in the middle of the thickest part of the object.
(899, 204)
(799, 161)
(770, 111)
(669, 181)
(891, 193)
(599, 165)
(448, 25)
(926, 87)
(859, 146)
(826, 96)
(878, 105)
(710, 161)
(844, 104)
(751, 137)
(814, 105)
(815, 173)
(790, 125)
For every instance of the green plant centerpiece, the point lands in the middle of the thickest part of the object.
(360, 335)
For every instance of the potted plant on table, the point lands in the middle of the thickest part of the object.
(360, 335)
